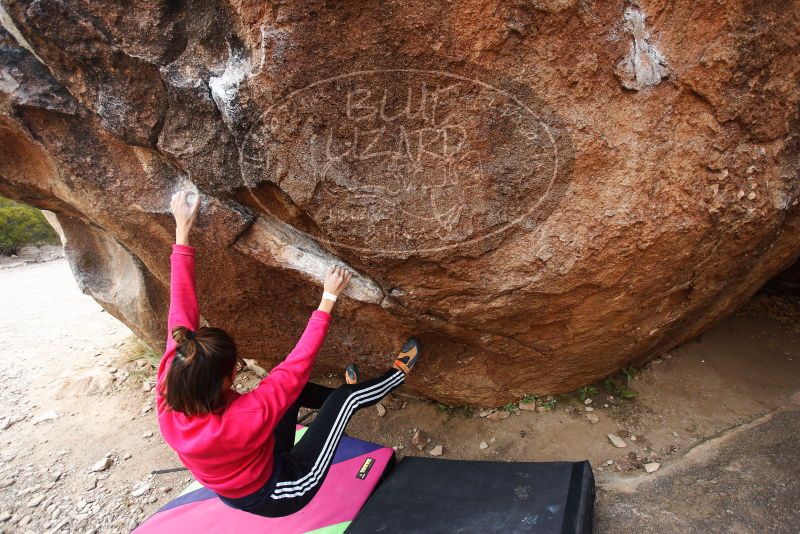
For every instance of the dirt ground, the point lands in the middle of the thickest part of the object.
(75, 394)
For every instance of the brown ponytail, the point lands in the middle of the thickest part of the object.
(181, 335)
(203, 360)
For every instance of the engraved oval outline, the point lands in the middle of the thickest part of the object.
(401, 252)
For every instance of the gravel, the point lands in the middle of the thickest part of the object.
(420, 439)
(652, 467)
(140, 489)
(617, 441)
(101, 465)
(36, 500)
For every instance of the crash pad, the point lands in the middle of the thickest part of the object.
(357, 468)
(425, 495)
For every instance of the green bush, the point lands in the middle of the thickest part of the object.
(22, 225)
(587, 392)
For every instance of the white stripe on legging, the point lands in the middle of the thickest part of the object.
(340, 418)
(304, 484)
(282, 493)
(350, 405)
(333, 439)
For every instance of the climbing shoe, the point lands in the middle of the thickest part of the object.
(351, 374)
(408, 356)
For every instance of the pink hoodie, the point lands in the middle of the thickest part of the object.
(231, 452)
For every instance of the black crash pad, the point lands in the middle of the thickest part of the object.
(444, 496)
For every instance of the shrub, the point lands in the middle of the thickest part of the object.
(587, 392)
(22, 225)
(511, 407)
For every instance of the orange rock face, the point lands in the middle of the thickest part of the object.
(543, 192)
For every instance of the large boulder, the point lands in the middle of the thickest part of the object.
(542, 191)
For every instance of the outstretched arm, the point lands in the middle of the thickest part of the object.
(278, 390)
(183, 308)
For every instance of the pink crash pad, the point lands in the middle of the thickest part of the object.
(357, 468)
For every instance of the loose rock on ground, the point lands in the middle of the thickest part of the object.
(617, 441)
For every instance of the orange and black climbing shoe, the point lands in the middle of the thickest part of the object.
(408, 356)
(351, 374)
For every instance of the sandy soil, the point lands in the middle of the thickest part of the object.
(75, 389)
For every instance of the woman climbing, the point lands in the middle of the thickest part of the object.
(241, 446)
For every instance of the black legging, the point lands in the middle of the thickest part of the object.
(300, 469)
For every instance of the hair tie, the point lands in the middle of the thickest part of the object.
(189, 334)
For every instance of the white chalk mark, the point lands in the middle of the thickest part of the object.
(279, 245)
(239, 68)
(644, 65)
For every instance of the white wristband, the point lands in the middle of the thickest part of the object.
(328, 296)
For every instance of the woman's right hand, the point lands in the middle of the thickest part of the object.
(185, 214)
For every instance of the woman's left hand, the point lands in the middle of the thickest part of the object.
(185, 214)
(336, 279)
